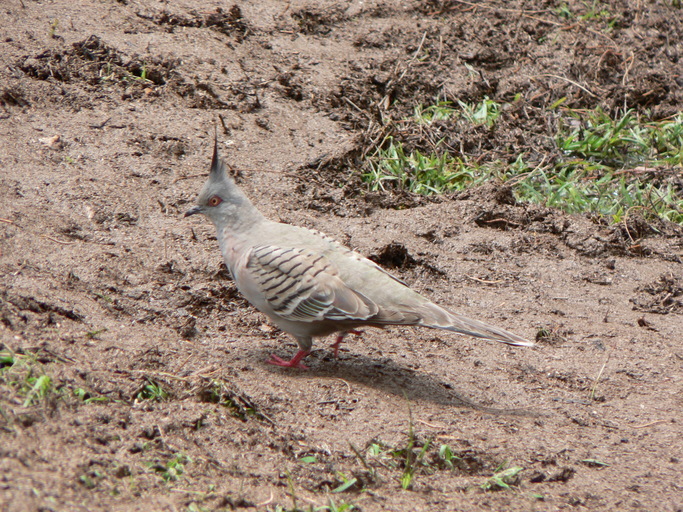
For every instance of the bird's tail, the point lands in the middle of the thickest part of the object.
(439, 318)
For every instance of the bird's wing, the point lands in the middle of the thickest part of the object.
(350, 253)
(302, 285)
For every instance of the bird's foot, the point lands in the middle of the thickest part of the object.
(340, 338)
(295, 362)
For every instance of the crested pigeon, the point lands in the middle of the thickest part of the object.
(310, 285)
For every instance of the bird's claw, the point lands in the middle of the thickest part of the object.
(295, 362)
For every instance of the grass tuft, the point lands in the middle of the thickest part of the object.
(416, 172)
(606, 166)
(602, 142)
(25, 376)
(151, 390)
(40, 388)
(173, 469)
(502, 479)
(612, 166)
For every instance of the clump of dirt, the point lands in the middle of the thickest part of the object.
(497, 209)
(230, 23)
(20, 311)
(13, 97)
(94, 62)
(394, 255)
(318, 21)
(662, 297)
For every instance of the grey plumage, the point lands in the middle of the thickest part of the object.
(310, 285)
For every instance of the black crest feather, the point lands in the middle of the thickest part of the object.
(217, 167)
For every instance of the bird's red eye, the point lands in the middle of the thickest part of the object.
(215, 201)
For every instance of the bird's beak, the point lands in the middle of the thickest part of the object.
(195, 209)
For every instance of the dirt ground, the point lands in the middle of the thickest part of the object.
(159, 395)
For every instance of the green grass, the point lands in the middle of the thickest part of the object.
(604, 143)
(442, 111)
(611, 167)
(609, 194)
(341, 507)
(27, 381)
(606, 166)
(447, 457)
(25, 376)
(40, 387)
(591, 11)
(220, 392)
(409, 459)
(485, 112)
(152, 391)
(90, 479)
(347, 482)
(332, 506)
(416, 172)
(173, 469)
(87, 397)
(417, 457)
(392, 167)
(502, 479)
(95, 334)
(53, 29)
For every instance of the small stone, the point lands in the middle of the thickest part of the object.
(51, 142)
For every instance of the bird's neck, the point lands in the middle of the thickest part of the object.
(239, 218)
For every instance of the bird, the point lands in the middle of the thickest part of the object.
(310, 285)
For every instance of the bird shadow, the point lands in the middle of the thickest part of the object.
(388, 376)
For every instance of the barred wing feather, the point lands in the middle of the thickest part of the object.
(301, 285)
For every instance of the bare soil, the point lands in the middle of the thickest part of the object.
(107, 113)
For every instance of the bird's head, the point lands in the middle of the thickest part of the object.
(221, 199)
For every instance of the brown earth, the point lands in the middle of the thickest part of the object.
(106, 129)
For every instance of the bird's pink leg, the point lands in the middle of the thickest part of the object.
(340, 338)
(292, 363)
